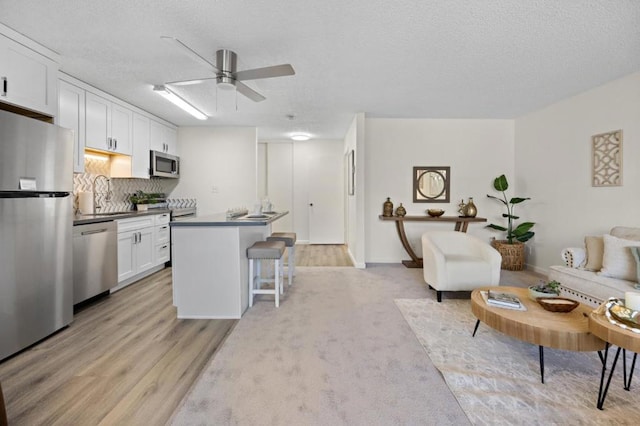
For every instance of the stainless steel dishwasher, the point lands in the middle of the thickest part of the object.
(95, 259)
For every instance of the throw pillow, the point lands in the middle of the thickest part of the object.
(635, 251)
(595, 252)
(618, 262)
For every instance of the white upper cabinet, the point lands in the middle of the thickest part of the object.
(108, 125)
(27, 78)
(163, 138)
(140, 152)
(71, 115)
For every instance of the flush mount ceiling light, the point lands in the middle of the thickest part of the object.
(300, 137)
(178, 101)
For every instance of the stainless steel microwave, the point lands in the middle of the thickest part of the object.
(164, 165)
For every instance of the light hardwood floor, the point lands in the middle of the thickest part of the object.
(127, 359)
(322, 255)
(124, 360)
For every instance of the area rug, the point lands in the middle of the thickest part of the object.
(496, 378)
(336, 352)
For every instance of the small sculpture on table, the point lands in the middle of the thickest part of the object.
(401, 211)
(387, 208)
(467, 210)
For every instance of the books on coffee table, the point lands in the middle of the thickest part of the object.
(503, 300)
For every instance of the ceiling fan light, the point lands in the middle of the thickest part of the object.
(225, 83)
(300, 137)
(179, 102)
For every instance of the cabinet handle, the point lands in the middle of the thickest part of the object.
(135, 238)
(139, 237)
(96, 231)
(108, 143)
(4, 86)
(116, 146)
(164, 246)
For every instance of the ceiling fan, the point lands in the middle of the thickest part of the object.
(225, 73)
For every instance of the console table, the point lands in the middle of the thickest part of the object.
(461, 225)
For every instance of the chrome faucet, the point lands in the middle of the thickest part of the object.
(93, 189)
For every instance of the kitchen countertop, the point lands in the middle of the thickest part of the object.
(220, 219)
(83, 219)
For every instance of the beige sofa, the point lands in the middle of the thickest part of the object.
(604, 268)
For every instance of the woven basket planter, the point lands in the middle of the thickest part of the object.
(512, 254)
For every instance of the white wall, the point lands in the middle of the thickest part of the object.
(476, 150)
(553, 167)
(355, 204)
(221, 157)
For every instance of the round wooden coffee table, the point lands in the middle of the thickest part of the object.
(568, 331)
(612, 334)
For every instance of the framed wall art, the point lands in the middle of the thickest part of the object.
(351, 163)
(606, 164)
(431, 184)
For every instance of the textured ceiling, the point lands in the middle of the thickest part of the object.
(429, 58)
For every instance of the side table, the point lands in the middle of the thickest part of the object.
(625, 340)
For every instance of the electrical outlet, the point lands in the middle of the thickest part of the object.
(214, 189)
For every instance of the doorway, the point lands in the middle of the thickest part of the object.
(306, 179)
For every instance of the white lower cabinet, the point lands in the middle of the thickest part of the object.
(162, 234)
(136, 246)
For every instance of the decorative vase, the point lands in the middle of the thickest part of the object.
(470, 209)
(387, 208)
(142, 207)
(401, 211)
(534, 294)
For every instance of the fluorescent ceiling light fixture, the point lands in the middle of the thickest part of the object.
(300, 137)
(178, 101)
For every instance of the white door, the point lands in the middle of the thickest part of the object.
(326, 193)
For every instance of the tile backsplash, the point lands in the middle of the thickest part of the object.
(120, 188)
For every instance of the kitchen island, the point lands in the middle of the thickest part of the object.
(210, 265)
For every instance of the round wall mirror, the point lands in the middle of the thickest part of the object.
(431, 184)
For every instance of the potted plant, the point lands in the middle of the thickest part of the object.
(140, 200)
(511, 249)
(544, 289)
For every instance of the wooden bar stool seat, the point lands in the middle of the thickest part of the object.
(289, 238)
(265, 250)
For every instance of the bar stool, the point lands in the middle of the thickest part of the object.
(289, 238)
(263, 250)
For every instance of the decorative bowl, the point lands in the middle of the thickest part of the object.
(535, 294)
(557, 304)
(435, 212)
(625, 315)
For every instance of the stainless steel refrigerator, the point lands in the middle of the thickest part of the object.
(36, 225)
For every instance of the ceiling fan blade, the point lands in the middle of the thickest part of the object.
(189, 51)
(190, 82)
(249, 92)
(266, 72)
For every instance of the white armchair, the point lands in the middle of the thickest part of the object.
(457, 261)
